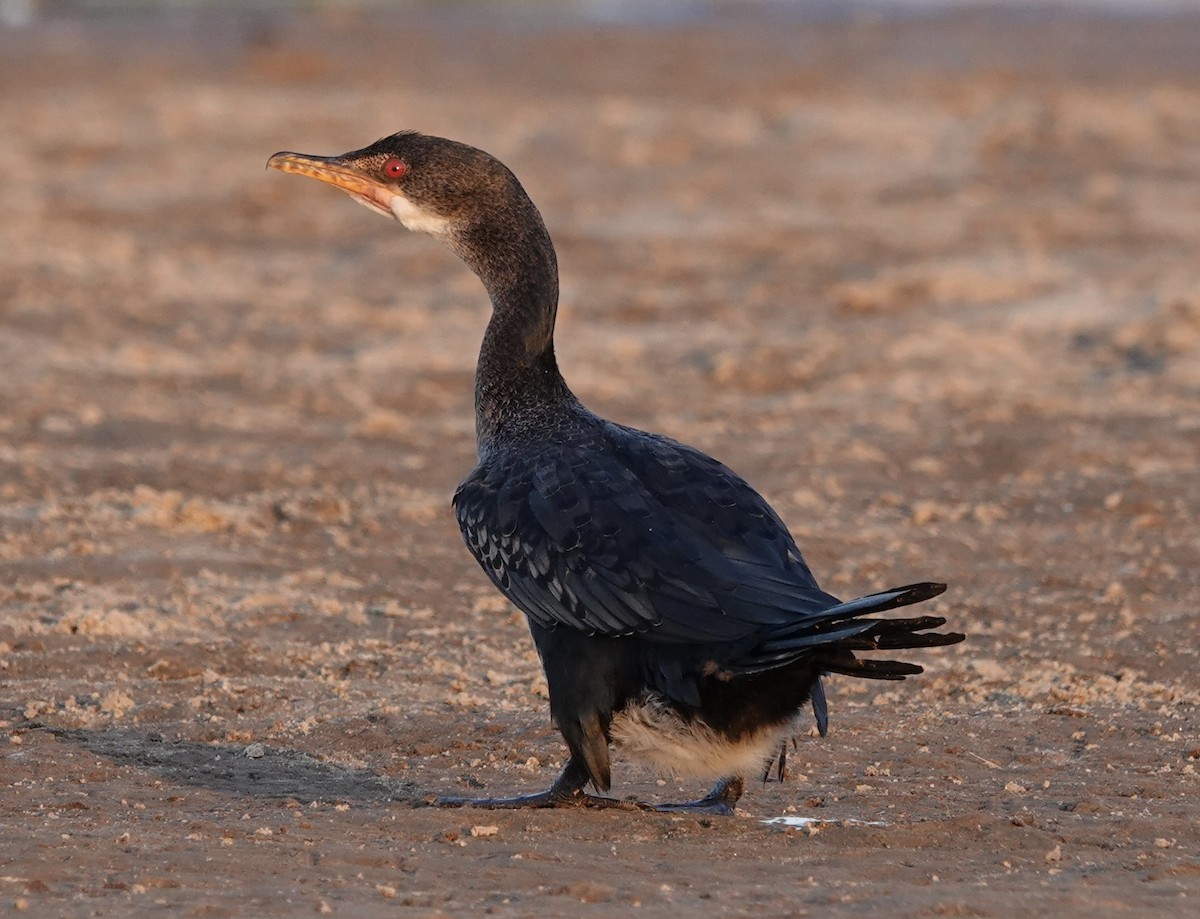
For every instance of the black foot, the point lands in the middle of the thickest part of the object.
(549, 798)
(721, 800)
(567, 791)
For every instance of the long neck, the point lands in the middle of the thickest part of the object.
(517, 381)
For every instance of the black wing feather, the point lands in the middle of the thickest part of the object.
(647, 536)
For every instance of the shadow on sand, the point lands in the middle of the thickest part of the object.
(226, 768)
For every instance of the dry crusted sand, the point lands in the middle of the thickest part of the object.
(932, 286)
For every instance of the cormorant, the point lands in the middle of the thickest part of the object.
(672, 610)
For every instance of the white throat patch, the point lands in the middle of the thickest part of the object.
(417, 219)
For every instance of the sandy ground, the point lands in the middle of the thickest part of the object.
(931, 285)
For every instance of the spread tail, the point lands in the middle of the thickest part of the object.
(830, 637)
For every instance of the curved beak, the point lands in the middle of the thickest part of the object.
(337, 172)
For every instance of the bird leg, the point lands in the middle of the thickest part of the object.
(780, 760)
(567, 791)
(721, 800)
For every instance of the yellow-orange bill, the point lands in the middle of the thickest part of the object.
(331, 170)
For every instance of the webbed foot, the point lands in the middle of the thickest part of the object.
(567, 791)
(549, 798)
(721, 800)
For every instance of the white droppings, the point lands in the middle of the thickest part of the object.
(804, 822)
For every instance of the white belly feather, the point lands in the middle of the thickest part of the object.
(649, 729)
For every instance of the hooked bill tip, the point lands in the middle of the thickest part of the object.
(328, 169)
(285, 158)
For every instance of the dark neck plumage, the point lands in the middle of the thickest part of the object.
(517, 381)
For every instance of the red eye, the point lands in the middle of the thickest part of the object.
(394, 168)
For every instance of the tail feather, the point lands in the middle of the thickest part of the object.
(892, 634)
(883, 601)
(830, 636)
(870, 669)
(820, 707)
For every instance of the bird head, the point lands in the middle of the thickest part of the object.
(429, 184)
